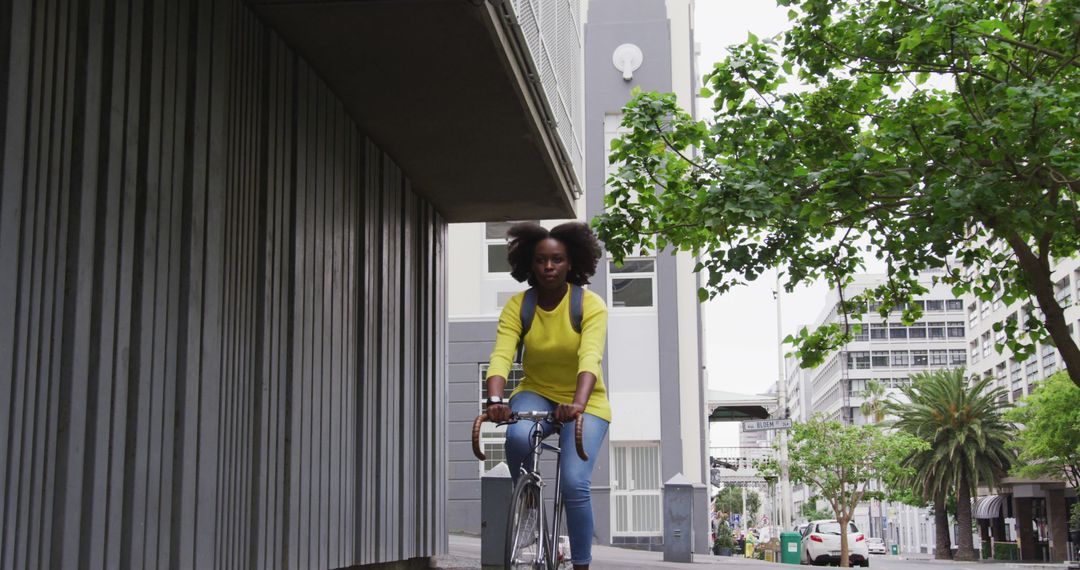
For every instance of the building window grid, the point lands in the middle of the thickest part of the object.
(957, 357)
(973, 315)
(936, 330)
(956, 329)
(493, 438)
(633, 286)
(939, 358)
(954, 305)
(917, 330)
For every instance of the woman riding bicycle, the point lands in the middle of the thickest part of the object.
(561, 365)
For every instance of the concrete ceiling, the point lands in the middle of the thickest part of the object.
(443, 87)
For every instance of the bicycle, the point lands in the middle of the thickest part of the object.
(527, 545)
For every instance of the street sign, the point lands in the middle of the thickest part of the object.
(765, 425)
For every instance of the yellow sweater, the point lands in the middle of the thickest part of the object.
(554, 353)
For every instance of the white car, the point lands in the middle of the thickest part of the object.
(875, 546)
(821, 544)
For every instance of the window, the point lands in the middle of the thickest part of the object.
(957, 357)
(633, 284)
(986, 344)
(900, 358)
(936, 330)
(984, 309)
(495, 245)
(919, 358)
(939, 358)
(897, 331)
(935, 305)
(917, 330)
(859, 332)
(878, 331)
(954, 305)
(492, 438)
(973, 314)
(859, 360)
(880, 359)
(956, 329)
(636, 489)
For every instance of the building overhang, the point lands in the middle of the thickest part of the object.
(448, 89)
(734, 407)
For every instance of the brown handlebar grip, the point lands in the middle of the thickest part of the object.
(578, 427)
(476, 436)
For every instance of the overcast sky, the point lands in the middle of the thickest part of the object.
(740, 327)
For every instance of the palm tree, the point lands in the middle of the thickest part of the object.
(873, 405)
(964, 426)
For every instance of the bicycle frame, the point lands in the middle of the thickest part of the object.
(549, 548)
(548, 544)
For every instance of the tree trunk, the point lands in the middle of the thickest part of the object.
(844, 559)
(964, 548)
(942, 544)
(1036, 273)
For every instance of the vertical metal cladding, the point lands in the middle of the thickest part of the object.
(222, 308)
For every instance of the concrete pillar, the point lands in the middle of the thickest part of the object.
(1057, 522)
(1025, 534)
(495, 490)
(679, 520)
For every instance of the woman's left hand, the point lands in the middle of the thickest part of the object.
(568, 412)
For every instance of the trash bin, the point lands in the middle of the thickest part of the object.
(789, 547)
(894, 549)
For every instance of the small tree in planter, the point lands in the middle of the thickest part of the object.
(724, 541)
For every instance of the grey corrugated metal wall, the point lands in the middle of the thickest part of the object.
(222, 308)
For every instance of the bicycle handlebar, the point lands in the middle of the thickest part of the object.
(533, 416)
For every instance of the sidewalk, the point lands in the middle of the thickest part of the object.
(465, 555)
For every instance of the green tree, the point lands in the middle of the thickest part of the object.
(729, 501)
(968, 436)
(979, 180)
(1049, 440)
(840, 461)
(810, 512)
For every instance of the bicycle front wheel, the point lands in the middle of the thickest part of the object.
(525, 528)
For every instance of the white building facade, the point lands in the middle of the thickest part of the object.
(1033, 511)
(885, 350)
(652, 366)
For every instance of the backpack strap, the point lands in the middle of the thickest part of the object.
(577, 310)
(528, 311)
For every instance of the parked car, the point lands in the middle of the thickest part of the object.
(875, 546)
(821, 544)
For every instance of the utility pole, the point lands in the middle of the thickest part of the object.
(781, 399)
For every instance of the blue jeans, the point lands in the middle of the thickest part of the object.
(576, 474)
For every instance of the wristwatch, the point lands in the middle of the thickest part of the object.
(495, 400)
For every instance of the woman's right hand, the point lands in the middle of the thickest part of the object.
(498, 413)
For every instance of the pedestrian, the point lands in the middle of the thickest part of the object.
(561, 362)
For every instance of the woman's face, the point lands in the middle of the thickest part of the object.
(550, 264)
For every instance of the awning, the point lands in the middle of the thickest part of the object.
(990, 507)
(733, 406)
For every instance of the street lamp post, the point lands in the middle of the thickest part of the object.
(781, 397)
